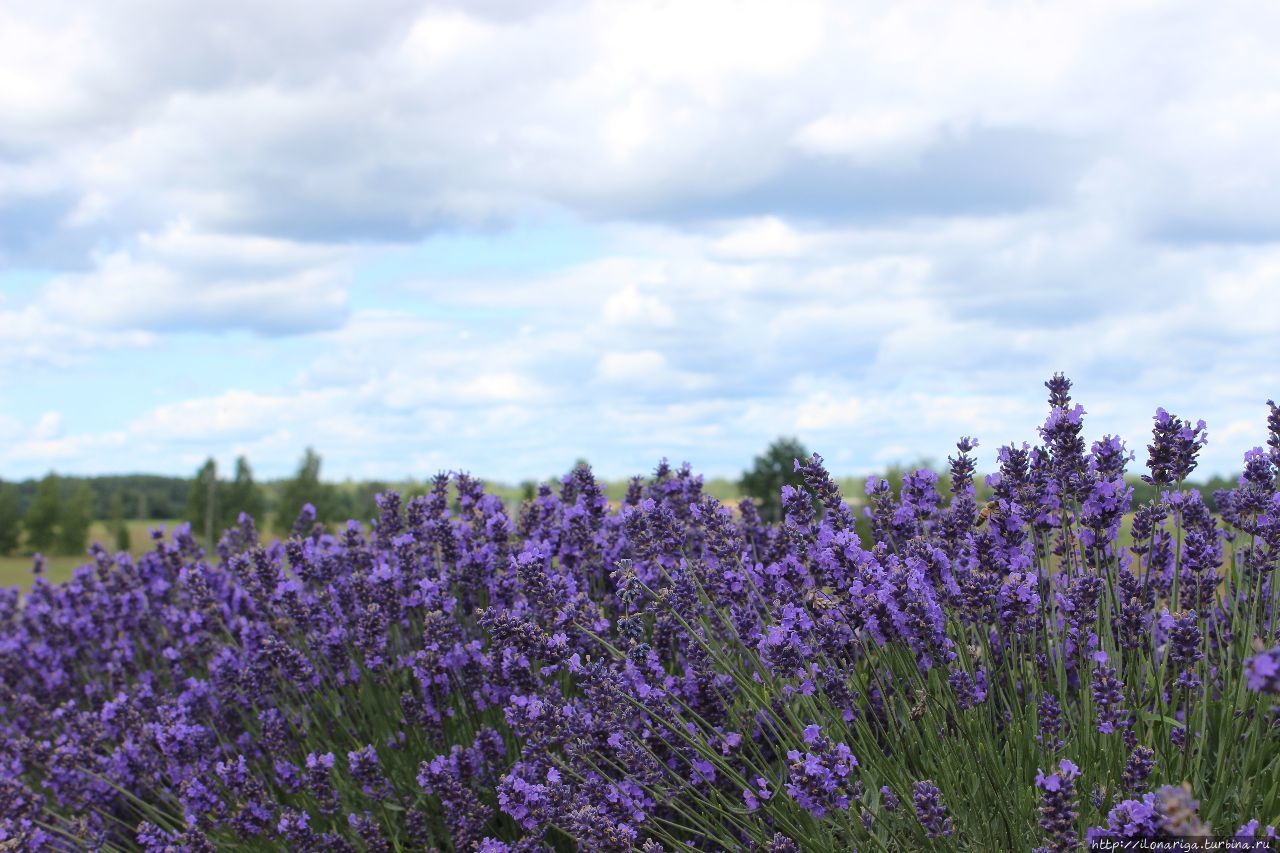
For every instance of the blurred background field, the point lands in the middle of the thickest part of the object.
(15, 569)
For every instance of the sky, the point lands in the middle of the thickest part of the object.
(499, 237)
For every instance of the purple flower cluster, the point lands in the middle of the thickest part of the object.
(1169, 811)
(667, 672)
(818, 777)
(931, 811)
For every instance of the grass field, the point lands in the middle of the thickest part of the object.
(16, 570)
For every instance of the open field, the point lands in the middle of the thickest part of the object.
(15, 570)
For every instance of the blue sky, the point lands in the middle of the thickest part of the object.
(478, 236)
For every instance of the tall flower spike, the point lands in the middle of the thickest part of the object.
(1061, 434)
(1175, 444)
(1058, 807)
(824, 488)
(1108, 694)
(1138, 769)
(1273, 432)
(1059, 391)
(1050, 723)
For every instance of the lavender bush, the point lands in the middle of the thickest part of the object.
(1031, 673)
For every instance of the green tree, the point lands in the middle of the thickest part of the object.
(304, 488)
(202, 500)
(243, 495)
(119, 528)
(10, 518)
(75, 518)
(772, 470)
(41, 520)
(528, 490)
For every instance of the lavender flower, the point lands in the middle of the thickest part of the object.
(1174, 446)
(494, 685)
(931, 811)
(1185, 637)
(819, 779)
(1050, 713)
(970, 690)
(1169, 811)
(1262, 672)
(1138, 769)
(1058, 807)
(1108, 695)
(757, 794)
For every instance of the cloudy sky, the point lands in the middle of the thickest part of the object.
(500, 236)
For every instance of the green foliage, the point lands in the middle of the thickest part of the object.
(116, 523)
(242, 495)
(356, 500)
(10, 518)
(304, 488)
(213, 505)
(145, 495)
(74, 518)
(203, 502)
(771, 471)
(528, 490)
(41, 520)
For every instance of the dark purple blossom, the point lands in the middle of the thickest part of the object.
(1058, 806)
(931, 811)
(1108, 696)
(1175, 443)
(1138, 769)
(1051, 724)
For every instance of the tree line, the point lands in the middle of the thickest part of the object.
(54, 514)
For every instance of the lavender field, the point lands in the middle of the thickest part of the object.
(928, 673)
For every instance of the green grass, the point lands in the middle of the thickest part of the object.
(15, 570)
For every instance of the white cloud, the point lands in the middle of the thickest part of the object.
(891, 136)
(629, 307)
(49, 426)
(180, 279)
(389, 122)
(234, 414)
(647, 371)
(824, 411)
(766, 237)
(880, 226)
(32, 337)
(631, 367)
